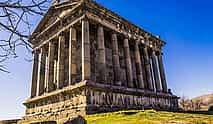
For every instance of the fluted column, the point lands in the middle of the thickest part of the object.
(115, 59)
(50, 79)
(34, 74)
(148, 71)
(72, 56)
(61, 58)
(162, 73)
(101, 55)
(128, 63)
(139, 71)
(155, 70)
(42, 71)
(86, 65)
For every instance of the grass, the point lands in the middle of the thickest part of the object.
(148, 117)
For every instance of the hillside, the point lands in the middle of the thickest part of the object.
(205, 101)
(148, 117)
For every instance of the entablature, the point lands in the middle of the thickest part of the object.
(64, 16)
(121, 23)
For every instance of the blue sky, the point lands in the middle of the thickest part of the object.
(186, 26)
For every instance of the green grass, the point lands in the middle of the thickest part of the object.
(148, 117)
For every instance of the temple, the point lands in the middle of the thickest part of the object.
(87, 60)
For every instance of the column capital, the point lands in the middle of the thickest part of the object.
(153, 51)
(126, 42)
(159, 53)
(145, 48)
(35, 51)
(146, 36)
(114, 33)
(99, 25)
(85, 18)
(137, 41)
(52, 41)
(72, 26)
(43, 49)
(126, 36)
(61, 33)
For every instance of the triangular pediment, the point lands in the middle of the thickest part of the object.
(55, 12)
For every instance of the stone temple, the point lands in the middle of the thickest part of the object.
(87, 60)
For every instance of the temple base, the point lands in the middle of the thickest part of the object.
(88, 97)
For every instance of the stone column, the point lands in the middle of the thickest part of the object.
(148, 71)
(35, 74)
(155, 70)
(72, 56)
(129, 73)
(162, 73)
(61, 58)
(42, 71)
(50, 79)
(139, 71)
(101, 55)
(86, 65)
(115, 59)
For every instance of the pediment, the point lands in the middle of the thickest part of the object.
(55, 12)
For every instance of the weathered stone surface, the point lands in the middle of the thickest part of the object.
(155, 70)
(86, 65)
(148, 71)
(162, 73)
(35, 74)
(101, 55)
(61, 61)
(128, 63)
(42, 72)
(115, 58)
(72, 56)
(96, 62)
(50, 76)
(139, 71)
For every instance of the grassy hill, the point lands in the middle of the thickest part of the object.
(148, 117)
(205, 100)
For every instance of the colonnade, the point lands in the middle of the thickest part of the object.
(43, 80)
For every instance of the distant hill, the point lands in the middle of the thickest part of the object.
(205, 101)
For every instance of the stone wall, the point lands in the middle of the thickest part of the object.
(116, 98)
(89, 98)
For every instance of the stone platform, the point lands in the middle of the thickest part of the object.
(88, 98)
